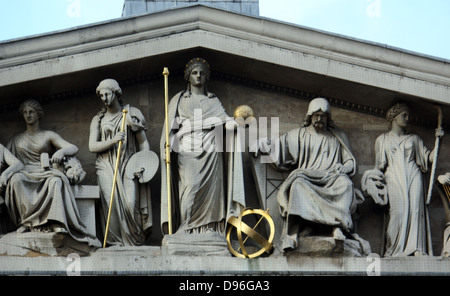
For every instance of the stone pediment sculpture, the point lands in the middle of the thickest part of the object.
(9, 165)
(443, 187)
(273, 65)
(401, 159)
(129, 209)
(39, 197)
(202, 195)
(308, 187)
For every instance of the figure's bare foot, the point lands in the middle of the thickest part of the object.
(338, 234)
(419, 253)
(59, 229)
(23, 229)
(46, 228)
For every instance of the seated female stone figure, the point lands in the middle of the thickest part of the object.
(39, 198)
(9, 165)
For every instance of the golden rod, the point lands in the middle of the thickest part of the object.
(114, 179)
(166, 98)
(447, 191)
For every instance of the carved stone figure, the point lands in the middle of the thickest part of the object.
(201, 199)
(318, 196)
(401, 159)
(131, 213)
(39, 197)
(9, 165)
(443, 187)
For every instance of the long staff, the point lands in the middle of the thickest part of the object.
(114, 179)
(166, 99)
(436, 151)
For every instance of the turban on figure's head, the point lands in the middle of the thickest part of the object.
(318, 104)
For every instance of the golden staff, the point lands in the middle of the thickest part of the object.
(114, 179)
(447, 191)
(166, 97)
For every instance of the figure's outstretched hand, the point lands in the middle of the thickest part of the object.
(261, 145)
(444, 179)
(231, 125)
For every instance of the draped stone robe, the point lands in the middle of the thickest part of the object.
(200, 199)
(404, 160)
(131, 215)
(309, 192)
(6, 224)
(35, 197)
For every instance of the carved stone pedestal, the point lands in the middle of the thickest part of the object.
(195, 245)
(322, 246)
(155, 260)
(35, 244)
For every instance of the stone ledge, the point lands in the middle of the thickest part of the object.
(53, 254)
(150, 260)
(195, 245)
(36, 244)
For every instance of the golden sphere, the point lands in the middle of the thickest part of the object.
(243, 111)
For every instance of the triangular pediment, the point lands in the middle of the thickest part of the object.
(259, 51)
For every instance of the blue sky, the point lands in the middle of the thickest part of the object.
(416, 25)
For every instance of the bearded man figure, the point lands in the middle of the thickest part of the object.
(318, 195)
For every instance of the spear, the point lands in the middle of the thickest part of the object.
(114, 179)
(436, 151)
(166, 99)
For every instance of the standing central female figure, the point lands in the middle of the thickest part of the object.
(196, 119)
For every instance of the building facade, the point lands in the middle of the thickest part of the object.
(274, 67)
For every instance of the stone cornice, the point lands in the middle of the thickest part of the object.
(219, 76)
(287, 45)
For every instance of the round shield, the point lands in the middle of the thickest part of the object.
(142, 165)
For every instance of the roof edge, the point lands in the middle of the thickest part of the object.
(252, 24)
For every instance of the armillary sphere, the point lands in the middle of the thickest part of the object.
(241, 227)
